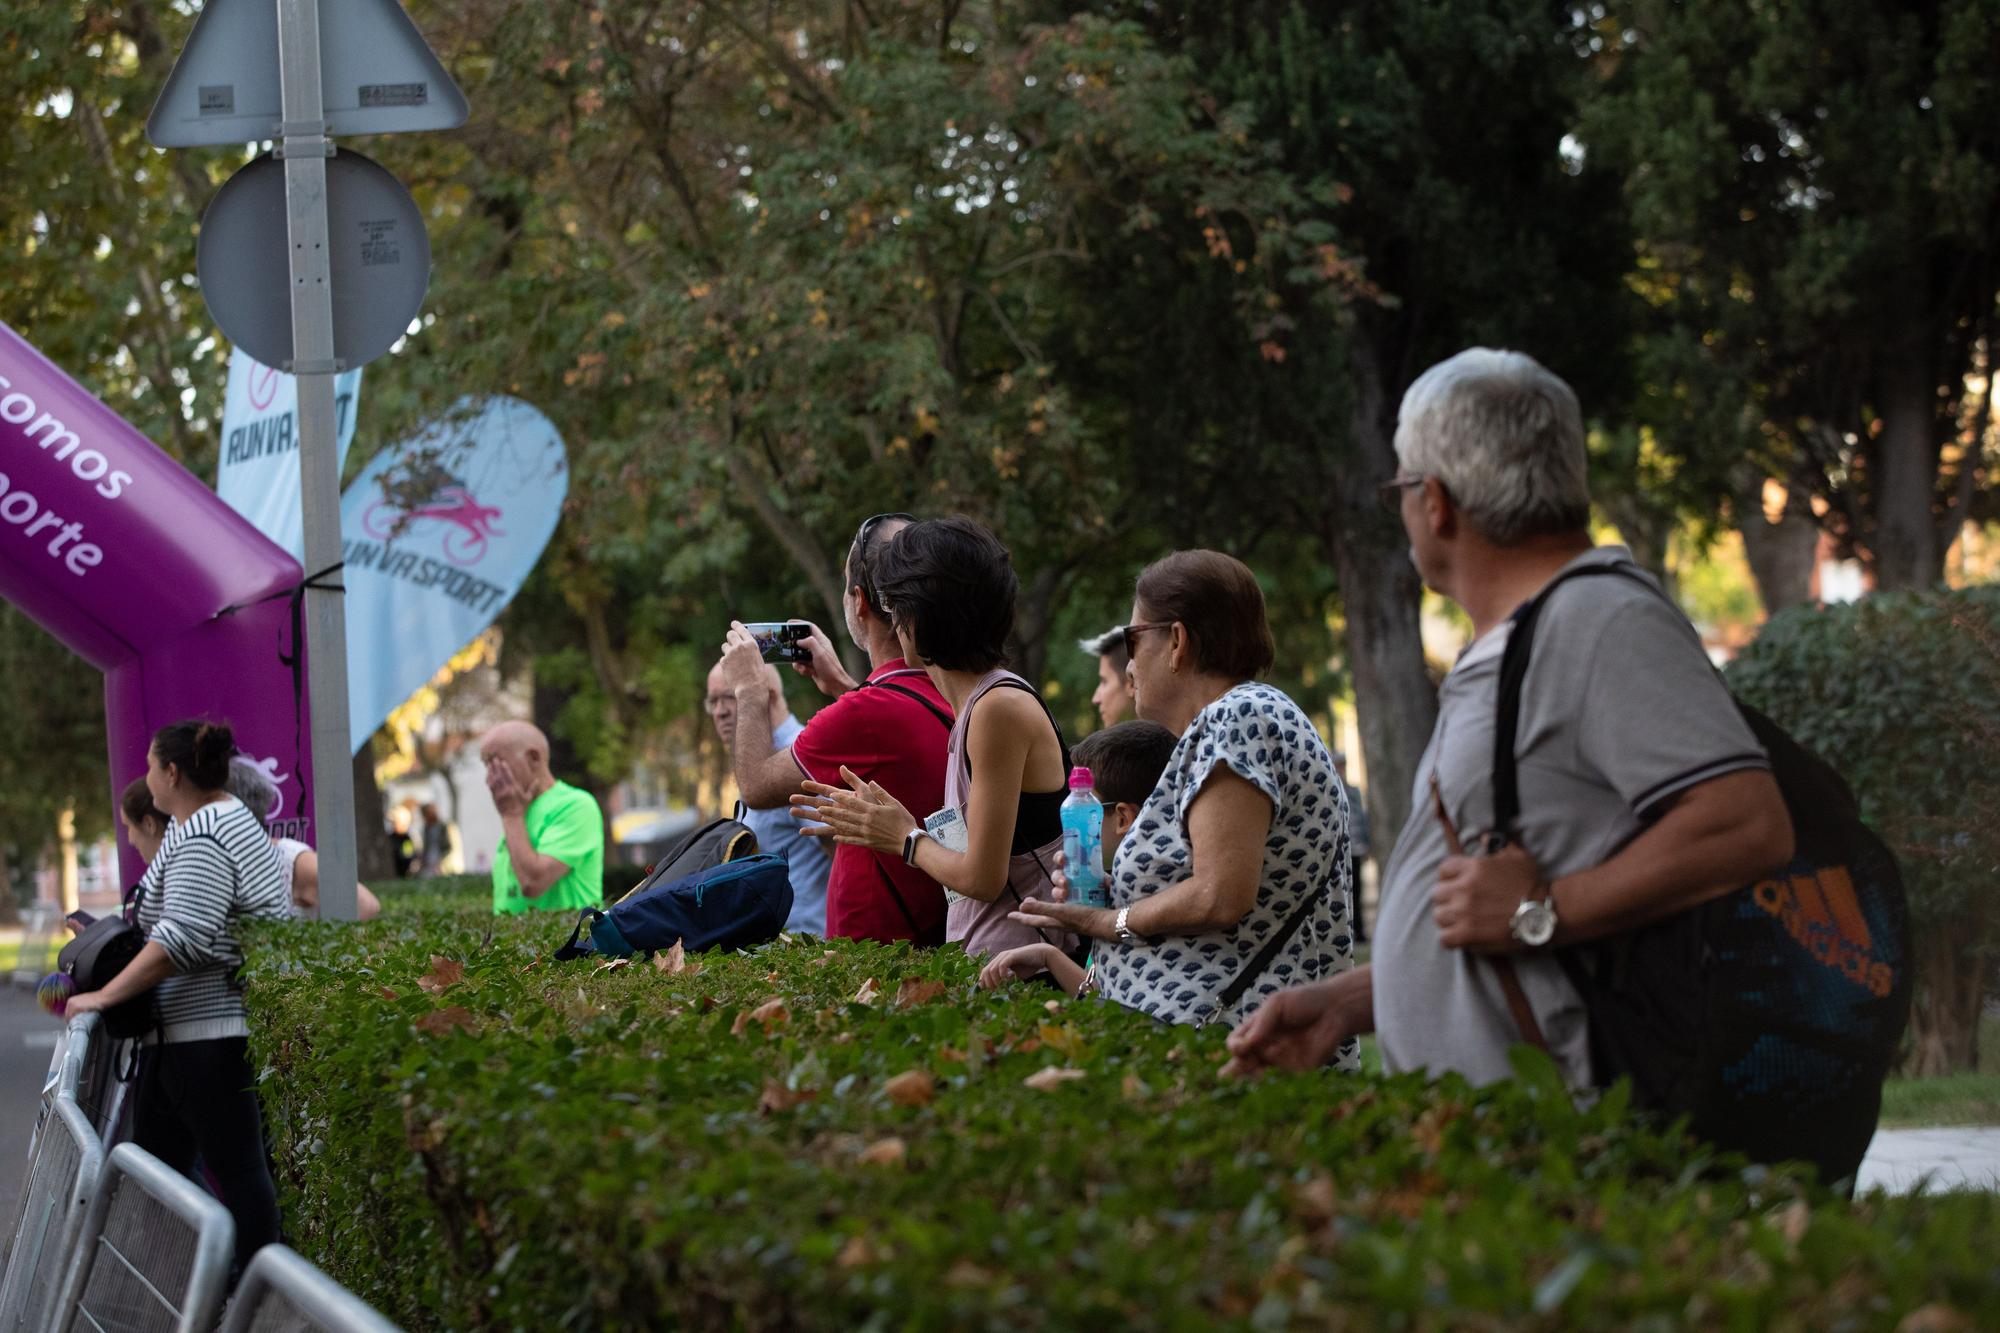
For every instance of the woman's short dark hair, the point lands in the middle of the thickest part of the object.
(200, 750)
(953, 584)
(137, 803)
(1126, 761)
(1216, 597)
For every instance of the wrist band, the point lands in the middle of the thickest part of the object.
(910, 846)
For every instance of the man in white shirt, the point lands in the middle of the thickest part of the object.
(807, 859)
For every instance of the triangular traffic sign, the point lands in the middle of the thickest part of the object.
(377, 76)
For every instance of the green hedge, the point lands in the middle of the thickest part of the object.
(762, 1143)
(1901, 693)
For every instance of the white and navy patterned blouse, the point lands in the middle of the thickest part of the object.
(1267, 740)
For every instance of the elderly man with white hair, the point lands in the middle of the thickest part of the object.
(1642, 791)
(551, 858)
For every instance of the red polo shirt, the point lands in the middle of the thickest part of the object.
(885, 736)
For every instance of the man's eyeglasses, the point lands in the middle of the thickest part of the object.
(1391, 492)
(1128, 636)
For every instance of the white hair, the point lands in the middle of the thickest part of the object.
(252, 786)
(1505, 436)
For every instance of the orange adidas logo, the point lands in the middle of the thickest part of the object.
(1821, 912)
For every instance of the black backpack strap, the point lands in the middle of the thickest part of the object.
(570, 948)
(907, 693)
(1513, 675)
(1257, 966)
(889, 883)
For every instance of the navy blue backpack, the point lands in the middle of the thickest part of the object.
(734, 905)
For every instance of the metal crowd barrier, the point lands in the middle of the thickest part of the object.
(153, 1254)
(130, 1244)
(62, 1176)
(282, 1293)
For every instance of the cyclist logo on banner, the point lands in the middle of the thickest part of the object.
(454, 515)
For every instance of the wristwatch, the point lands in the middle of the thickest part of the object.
(1534, 921)
(1124, 932)
(910, 845)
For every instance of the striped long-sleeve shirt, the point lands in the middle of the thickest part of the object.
(215, 869)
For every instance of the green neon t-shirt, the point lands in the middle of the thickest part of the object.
(565, 823)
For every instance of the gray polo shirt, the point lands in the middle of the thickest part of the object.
(1621, 711)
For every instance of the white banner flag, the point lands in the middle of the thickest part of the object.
(257, 474)
(438, 534)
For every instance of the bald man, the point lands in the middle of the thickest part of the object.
(552, 858)
(808, 861)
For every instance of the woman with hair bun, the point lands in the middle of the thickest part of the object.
(215, 869)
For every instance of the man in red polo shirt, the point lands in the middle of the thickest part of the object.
(891, 728)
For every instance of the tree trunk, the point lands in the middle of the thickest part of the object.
(1951, 994)
(1780, 554)
(1394, 701)
(371, 839)
(1906, 550)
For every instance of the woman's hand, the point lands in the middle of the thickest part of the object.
(90, 1002)
(1015, 965)
(858, 815)
(1099, 923)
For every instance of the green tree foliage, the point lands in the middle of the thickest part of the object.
(1901, 693)
(1816, 190)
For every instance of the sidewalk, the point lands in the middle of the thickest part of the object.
(1904, 1161)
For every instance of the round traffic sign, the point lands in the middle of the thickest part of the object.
(379, 254)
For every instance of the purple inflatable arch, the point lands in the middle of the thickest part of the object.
(123, 554)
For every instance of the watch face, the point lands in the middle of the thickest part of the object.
(1534, 924)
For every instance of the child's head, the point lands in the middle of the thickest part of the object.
(1125, 764)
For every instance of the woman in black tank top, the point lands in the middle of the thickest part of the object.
(950, 586)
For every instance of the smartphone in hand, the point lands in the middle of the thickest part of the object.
(781, 641)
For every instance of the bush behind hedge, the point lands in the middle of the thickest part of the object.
(545, 1146)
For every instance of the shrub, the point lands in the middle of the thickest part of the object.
(840, 1136)
(1901, 693)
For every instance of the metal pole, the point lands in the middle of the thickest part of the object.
(305, 148)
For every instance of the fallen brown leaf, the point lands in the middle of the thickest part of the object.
(1935, 1319)
(611, 965)
(1134, 1088)
(951, 1053)
(777, 1097)
(1051, 1078)
(1314, 1199)
(672, 961)
(913, 1087)
(772, 1013)
(1053, 1006)
(914, 992)
(444, 974)
(440, 1021)
(869, 992)
(855, 1253)
(388, 994)
(965, 1273)
(884, 1152)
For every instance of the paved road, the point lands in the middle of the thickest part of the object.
(27, 1040)
(1904, 1161)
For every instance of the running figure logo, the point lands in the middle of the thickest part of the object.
(467, 523)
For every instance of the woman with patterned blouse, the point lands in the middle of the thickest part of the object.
(1244, 842)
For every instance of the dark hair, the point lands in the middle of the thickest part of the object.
(1216, 597)
(953, 584)
(200, 750)
(1126, 761)
(137, 803)
(862, 554)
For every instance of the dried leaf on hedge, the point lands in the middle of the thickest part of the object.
(777, 1097)
(884, 1152)
(444, 974)
(914, 992)
(1051, 1078)
(611, 965)
(388, 994)
(672, 961)
(772, 1013)
(965, 1273)
(1314, 1200)
(869, 992)
(440, 1021)
(1935, 1319)
(1063, 1040)
(1135, 1088)
(914, 1087)
(855, 1253)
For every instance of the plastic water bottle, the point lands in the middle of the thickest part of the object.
(1083, 841)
